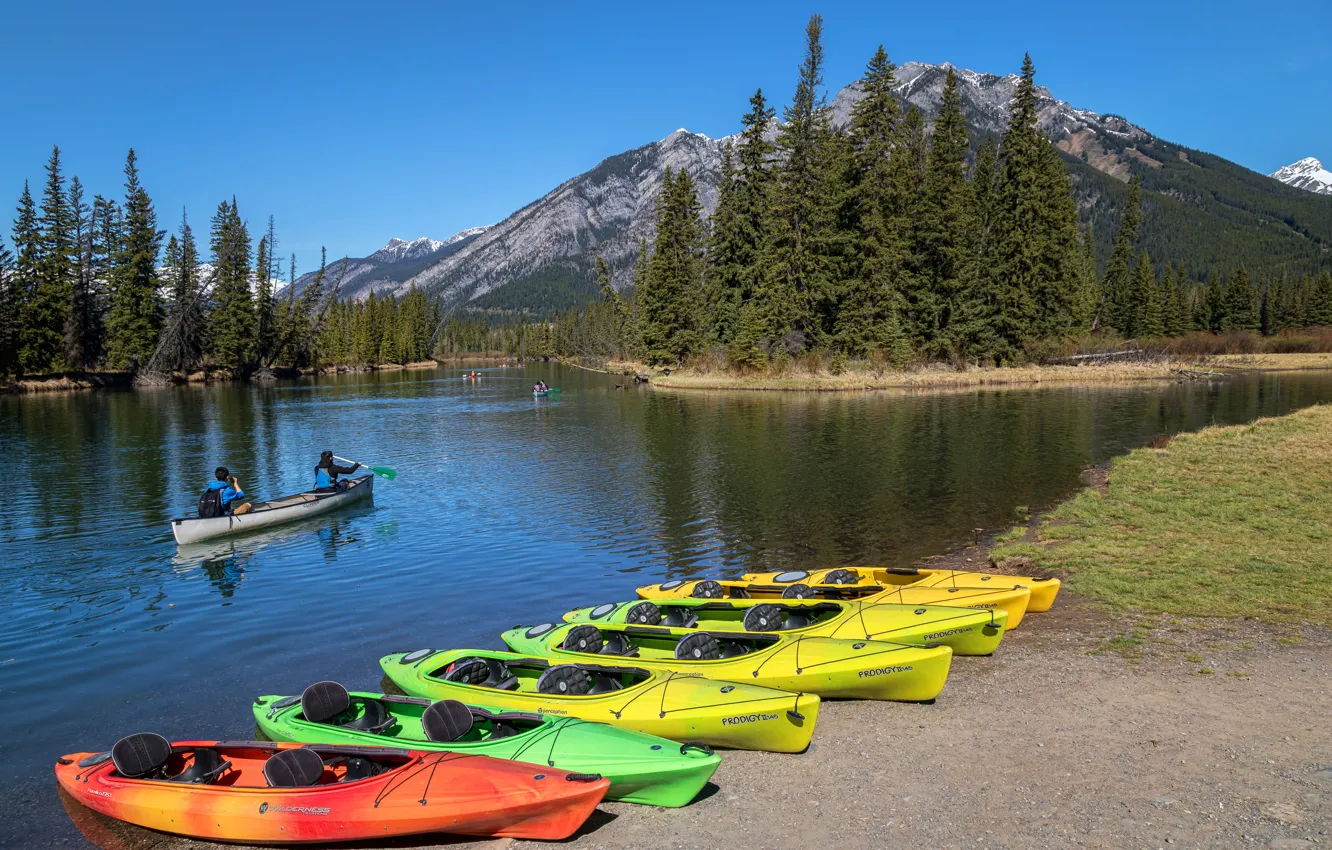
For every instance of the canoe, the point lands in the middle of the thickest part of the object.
(829, 667)
(265, 514)
(1043, 590)
(277, 793)
(1012, 601)
(967, 631)
(641, 768)
(682, 708)
(540, 393)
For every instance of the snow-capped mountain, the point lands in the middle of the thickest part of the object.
(546, 250)
(1307, 174)
(389, 268)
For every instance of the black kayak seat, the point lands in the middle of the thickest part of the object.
(141, 756)
(324, 701)
(565, 680)
(481, 672)
(698, 646)
(374, 717)
(679, 618)
(584, 639)
(446, 721)
(206, 766)
(603, 684)
(299, 768)
(617, 644)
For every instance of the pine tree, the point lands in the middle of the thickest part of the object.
(869, 315)
(1150, 318)
(943, 221)
(726, 258)
(1319, 311)
(1241, 309)
(9, 313)
(1172, 286)
(48, 310)
(23, 281)
(1088, 286)
(906, 182)
(181, 344)
(753, 214)
(669, 302)
(84, 327)
(973, 325)
(799, 265)
(135, 316)
(1216, 306)
(1117, 292)
(231, 321)
(614, 303)
(265, 270)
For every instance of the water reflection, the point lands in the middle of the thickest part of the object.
(569, 500)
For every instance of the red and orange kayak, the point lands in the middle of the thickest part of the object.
(281, 793)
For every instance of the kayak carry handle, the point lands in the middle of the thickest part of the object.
(583, 777)
(695, 745)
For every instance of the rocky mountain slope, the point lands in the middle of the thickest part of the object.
(390, 268)
(540, 258)
(1307, 174)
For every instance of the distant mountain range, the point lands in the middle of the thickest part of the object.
(1200, 209)
(1307, 174)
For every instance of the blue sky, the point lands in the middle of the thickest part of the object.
(352, 122)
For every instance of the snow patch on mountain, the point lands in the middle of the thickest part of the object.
(398, 250)
(1307, 174)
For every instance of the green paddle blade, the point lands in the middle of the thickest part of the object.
(553, 390)
(385, 472)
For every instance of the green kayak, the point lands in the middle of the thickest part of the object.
(641, 768)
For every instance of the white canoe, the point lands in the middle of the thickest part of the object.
(264, 514)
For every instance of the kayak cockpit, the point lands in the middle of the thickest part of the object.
(146, 757)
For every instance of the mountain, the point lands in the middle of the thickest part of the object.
(1199, 209)
(1307, 174)
(390, 268)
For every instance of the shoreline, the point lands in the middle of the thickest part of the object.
(861, 380)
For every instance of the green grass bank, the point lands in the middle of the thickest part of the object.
(1227, 522)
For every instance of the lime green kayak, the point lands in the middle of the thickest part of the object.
(641, 768)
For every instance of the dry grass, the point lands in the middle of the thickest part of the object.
(1225, 522)
(810, 375)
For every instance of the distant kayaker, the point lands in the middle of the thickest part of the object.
(541, 385)
(327, 472)
(223, 492)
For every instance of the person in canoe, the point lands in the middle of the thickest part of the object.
(327, 472)
(222, 496)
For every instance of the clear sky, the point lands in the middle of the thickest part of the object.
(354, 122)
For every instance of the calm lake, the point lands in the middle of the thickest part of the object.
(507, 509)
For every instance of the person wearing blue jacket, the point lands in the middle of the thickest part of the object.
(231, 491)
(327, 472)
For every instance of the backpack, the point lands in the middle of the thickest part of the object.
(210, 503)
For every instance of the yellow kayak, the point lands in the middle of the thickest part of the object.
(829, 667)
(688, 709)
(1043, 590)
(1013, 600)
(967, 631)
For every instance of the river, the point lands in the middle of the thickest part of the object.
(507, 509)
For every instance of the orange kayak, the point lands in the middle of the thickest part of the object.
(280, 793)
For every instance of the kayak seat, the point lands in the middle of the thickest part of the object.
(763, 618)
(374, 717)
(643, 614)
(141, 756)
(299, 768)
(603, 684)
(698, 647)
(565, 680)
(732, 649)
(707, 589)
(584, 639)
(205, 767)
(499, 676)
(617, 644)
(796, 621)
(679, 618)
(446, 721)
(799, 591)
(360, 768)
(840, 577)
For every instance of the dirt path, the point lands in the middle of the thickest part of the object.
(1052, 742)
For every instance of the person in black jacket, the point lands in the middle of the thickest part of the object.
(327, 472)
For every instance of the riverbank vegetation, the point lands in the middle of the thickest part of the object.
(895, 245)
(1223, 522)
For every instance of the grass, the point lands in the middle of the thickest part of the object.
(1226, 522)
(813, 374)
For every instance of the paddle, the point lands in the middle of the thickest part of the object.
(382, 471)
